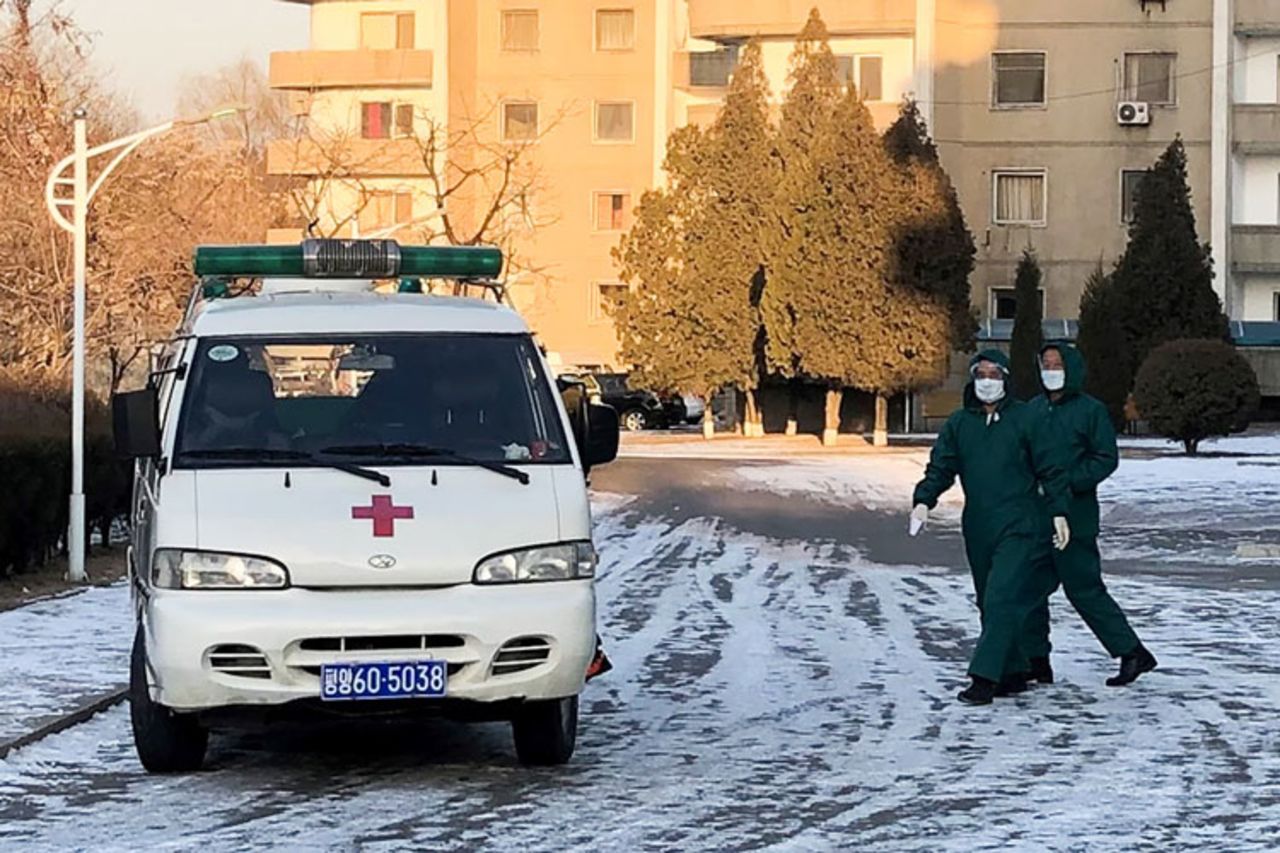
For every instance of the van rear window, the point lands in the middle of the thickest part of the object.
(485, 397)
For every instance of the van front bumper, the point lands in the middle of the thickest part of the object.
(209, 649)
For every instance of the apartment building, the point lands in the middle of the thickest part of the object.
(1046, 113)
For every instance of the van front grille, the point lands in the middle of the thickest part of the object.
(520, 655)
(397, 643)
(239, 661)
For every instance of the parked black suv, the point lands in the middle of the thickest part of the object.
(636, 409)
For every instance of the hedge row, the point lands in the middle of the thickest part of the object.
(35, 474)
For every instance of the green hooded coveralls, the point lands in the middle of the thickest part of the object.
(1003, 460)
(1082, 427)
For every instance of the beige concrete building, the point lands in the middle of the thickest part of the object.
(1045, 112)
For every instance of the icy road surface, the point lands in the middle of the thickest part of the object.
(786, 670)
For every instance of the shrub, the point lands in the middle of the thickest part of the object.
(1191, 389)
(35, 468)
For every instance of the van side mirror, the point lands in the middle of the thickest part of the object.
(135, 420)
(601, 445)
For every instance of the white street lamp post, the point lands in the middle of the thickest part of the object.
(78, 205)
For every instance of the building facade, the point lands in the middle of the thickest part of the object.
(1046, 114)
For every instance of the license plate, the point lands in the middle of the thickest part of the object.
(342, 682)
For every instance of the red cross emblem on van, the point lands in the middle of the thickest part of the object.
(384, 514)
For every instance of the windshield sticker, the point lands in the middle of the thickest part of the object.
(223, 353)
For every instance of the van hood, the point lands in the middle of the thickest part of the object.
(330, 529)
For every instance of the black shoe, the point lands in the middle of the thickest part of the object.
(1011, 685)
(981, 692)
(1132, 665)
(1041, 670)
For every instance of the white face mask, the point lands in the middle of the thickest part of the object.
(1054, 380)
(989, 390)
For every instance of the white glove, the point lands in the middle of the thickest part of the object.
(1061, 533)
(919, 517)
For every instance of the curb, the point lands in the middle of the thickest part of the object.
(61, 724)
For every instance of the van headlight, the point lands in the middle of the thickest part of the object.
(175, 569)
(569, 561)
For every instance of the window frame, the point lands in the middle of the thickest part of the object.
(502, 30)
(628, 211)
(1042, 104)
(994, 290)
(855, 63)
(596, 138)
(595, 29)
(1126, 92)
(1042, 171)
(1124, 172)
(537, 120)
(393, 123)
(397, 16)
(394, 195)
(596, 313)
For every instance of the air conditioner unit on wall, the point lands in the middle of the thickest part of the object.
(1133, 113)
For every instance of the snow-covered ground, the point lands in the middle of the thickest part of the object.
(57, 653)
(1220, 507)
(770, 692)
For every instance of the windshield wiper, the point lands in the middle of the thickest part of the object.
(266, 453)
(426, 451)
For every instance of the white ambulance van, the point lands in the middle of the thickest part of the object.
(351, 500)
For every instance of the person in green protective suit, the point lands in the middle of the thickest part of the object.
(997, 446)
(1082, 426)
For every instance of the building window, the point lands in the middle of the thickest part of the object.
(1019, 197)
(387, 31)
(866, 73)
(520, 29)
(713, 67)
(1004, 303)
(376, 120)
(384, 209)
(1129, 180)
(1018, 79)
(615, 29)
(605, 299)
(1150, 77)
(519, 121)
(615, 121)
(613, 211)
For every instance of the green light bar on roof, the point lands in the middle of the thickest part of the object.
(349, 259)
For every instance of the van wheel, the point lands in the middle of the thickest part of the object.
(166, 741)
(546, 732)
(634, 420)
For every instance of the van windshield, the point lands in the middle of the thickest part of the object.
(372, 399)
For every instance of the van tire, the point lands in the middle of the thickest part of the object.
(546, 732)
(166, 741)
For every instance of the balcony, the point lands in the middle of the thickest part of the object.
(1257, 18)
(1257, 128)
(1255, 249)
(715, 19)
(351, 69)
(366, 158)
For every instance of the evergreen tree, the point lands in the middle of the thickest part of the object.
(1102, 345)
(695, 256)
(799, 260)
(1163, 284)
(1028, 328)
(935, 252)
(832, 314)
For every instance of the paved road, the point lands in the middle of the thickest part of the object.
(785, 678)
